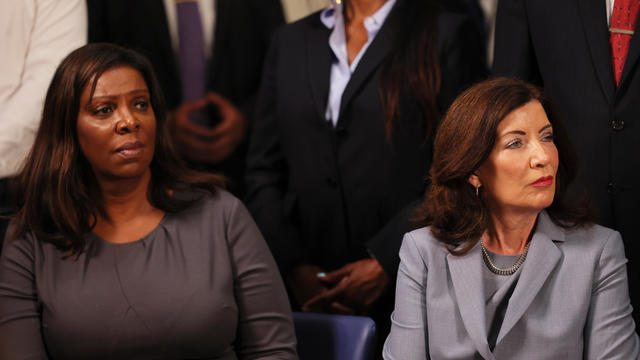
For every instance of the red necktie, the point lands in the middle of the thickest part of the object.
(623, 22)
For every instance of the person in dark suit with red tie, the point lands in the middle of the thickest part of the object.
(585, 54)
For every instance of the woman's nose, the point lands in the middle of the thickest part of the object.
(127, 122)
(539, 155)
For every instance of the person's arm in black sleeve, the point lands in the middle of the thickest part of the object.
(513, 52)
(460, 55)
(98, 25)
(266, 172)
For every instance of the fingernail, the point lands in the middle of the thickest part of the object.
(321, 274)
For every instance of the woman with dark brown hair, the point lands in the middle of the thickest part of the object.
(341, 142)
(506, 266)
(118, 250)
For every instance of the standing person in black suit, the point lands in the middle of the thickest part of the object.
(341, 141)
(235, 34)
(565, 47)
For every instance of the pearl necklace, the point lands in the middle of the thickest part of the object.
(499, 271)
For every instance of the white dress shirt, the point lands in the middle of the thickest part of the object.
(341, 70)
(609, 10)
(35, 35)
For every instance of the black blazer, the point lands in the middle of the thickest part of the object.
(564, 46)
(321, 195)
(242, 32)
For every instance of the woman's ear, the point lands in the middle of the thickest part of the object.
(474, 180)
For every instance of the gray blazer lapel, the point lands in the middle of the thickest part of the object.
(466, 275)
(541, 260)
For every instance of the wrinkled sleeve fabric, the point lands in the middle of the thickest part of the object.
(37, 35)
(408, 338)
(20, 311)
(266, 171)
(265, 327)
(610, 331)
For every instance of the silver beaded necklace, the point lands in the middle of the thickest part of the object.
(500, 271)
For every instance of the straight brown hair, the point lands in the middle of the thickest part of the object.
(464, 141)
(57, 193)
(412, 65)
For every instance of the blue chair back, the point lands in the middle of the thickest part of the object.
(334, 337)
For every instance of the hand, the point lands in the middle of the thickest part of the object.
(231, 131)
(357, 285)
(304, 284)
(203, 144)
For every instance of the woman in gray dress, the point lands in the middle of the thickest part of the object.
(507, 267)
(118, 250)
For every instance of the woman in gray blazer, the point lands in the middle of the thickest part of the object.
(506, 267)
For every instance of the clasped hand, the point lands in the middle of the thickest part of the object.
(352, 289)
(203, 144)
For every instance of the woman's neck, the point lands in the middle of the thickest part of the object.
(511, 232)
(356, 10)
(124, 199)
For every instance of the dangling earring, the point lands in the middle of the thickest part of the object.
(477, 195)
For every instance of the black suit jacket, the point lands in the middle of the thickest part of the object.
(322, 194)
(564, 46)
(242, 33)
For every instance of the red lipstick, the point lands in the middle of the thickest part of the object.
(543, 181)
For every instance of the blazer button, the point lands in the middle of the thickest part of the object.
(331, 181)
(611, 188)
(617, 124)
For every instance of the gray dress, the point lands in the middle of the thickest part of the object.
(201, 285)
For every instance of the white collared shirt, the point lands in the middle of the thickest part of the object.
(341, 71)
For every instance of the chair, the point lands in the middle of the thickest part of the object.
(334, 337)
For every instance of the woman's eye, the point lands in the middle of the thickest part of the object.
(103, 110)
(514, 144)
(142, 104)
(547, 136)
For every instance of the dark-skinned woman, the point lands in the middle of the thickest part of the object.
(508, 267)
(341, 142)
(120, 252)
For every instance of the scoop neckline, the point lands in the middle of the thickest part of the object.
(140, 240)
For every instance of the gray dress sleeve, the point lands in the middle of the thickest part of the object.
(20, 330)
(265, 328)
(610, 331)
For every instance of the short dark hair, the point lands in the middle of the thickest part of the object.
(58, 197)
(464, 140)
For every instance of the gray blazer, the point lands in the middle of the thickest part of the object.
(571, 301)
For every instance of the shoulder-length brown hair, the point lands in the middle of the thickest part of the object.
(58, 197)
(464, 141)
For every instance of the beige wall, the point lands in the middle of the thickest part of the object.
(296, 9)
